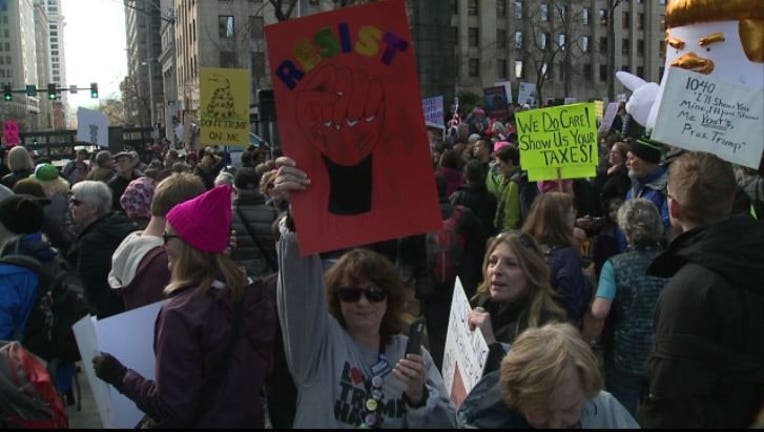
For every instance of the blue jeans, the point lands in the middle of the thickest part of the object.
(625, 386)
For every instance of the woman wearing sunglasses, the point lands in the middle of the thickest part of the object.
(515, 293)
(342, 337)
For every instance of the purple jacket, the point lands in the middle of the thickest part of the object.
(190, 337)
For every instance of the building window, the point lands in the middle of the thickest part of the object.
(603, 17)
(603, 45)
(603, 73)
(662, 48)
(501, 68)
(640, 48)
(225, 26)
(641, 21)
(501, 38)
(455, 7)
(626, 20)
(472, 7)
(258, 63)
(544, 11)
(474, 68)
(585, 16)
(587, 71)
(473, 36)
(626, 68)
(256, 27)
(561, 40)
(501, 8)
(518, 40)
(585, 43)
(640, 71)
(456, 33)
(227, 59)
(519, 71)
(519, 10)
(543, 41)
(625, 46)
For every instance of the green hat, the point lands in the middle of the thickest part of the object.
(45, 172)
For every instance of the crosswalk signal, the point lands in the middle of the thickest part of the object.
(7, 93)
(94, 90)
(52, 92)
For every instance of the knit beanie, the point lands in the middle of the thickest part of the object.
(646, 150)
(45, 172)
(204, 222)
(136, 200)
(21, 214)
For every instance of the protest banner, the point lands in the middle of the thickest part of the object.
(10, 133)
(607, 119)
(599, 107)
(129, 337)
(465, 352)
(568, 172)
(433, 112)
(556, 139)
(702, 113)
(495, 102)
(224, 102)
(526, 94)
(92, 127)
(507, 89)
(569, 101)
(350, 115)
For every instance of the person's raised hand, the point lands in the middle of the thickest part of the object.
(341, 113)
(480, 318)
(411, 371)
(288, 178)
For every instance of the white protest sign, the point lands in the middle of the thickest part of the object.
(607, 120)
(570, 101)
(92, 127)
(465, 352)
(129, 337)
(526, 94)
(433, 112)
(701, 113)
(507, 88)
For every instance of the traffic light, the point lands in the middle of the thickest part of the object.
(7, 93)
(52, 92)
(94, 90)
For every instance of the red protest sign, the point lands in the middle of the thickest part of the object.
(10, 133)
(349, 112)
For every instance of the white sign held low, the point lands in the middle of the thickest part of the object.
(701, 113)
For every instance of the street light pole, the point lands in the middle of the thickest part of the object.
(151, 92)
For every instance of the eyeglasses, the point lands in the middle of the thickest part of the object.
(166, 237)
(353, 294)
(75, 202)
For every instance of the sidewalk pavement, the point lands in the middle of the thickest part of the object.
(87, 417)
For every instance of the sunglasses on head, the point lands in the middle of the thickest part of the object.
(353, 294)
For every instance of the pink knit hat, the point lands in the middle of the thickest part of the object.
(498, 145)
(204, 222)
(136, 200)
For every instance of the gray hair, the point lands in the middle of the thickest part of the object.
(96, 194)
(641, 222)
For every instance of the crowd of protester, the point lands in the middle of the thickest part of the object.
(633, 298)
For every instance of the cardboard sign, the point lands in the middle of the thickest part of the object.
(10, 133)
(224, 106)
(557, 137)
(495, 101)
(350, 115)
(607, 120)
(92, 127)
(702, 113)
(599, 107)
(507, 89)
(526, 94)
(433, 112)
(466, 351)
(570, 101)
(569, 172)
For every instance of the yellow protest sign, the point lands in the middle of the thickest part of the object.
(600, 107)
(557, 137)
(568, 172)
(224, 106)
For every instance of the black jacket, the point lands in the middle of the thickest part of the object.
(476, 197)
(706, 369)
(90, 255)
(251, 205)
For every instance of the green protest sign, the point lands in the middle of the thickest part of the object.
(558, 137)
(568, 172)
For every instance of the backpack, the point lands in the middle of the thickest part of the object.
(28, 396)
(445, 248)
(60, 303)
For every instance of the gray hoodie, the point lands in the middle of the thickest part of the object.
(331, 371)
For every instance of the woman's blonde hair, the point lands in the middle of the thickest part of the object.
(535, 270)
(194, 267)
(55, 186)
(547, 221)
(537, 362)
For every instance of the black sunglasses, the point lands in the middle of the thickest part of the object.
(353, 294)
(166, 237)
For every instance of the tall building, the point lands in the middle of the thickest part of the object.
(563, 46)
(18, 61)
(57, 61)
(142, 91)
(42, 45)
(168, 64)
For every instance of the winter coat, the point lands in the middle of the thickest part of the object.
(18, 295)
(454, 179)
(139, 272)
(251, 205)
(476, 197)
(706, 366)
(191, 336)
(568, 280)
(13, 177)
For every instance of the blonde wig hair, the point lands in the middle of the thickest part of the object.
(535, 270)
(536, 364)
